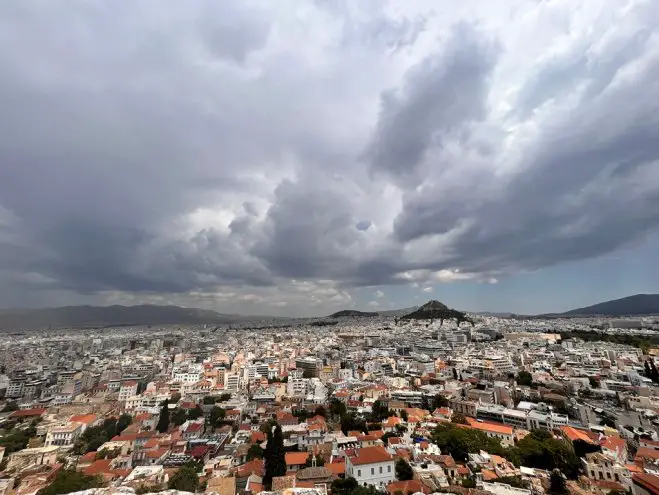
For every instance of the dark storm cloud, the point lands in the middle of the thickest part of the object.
(443, 93)
(586, 186)
(257, 148)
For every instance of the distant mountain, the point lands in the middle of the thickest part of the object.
(105, 316)
(354, 313)
(435, 310)
(398, 312)
(638, 305)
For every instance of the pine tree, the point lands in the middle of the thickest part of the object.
(648, 371)
(163, 420)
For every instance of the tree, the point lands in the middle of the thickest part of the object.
(275, 456)
(163, 420)
(654, 372)
(123, 422)
(455, 374)
(648, 371)
(255, 451)
(70, 480)
(439, 401)
(606, 421)
(344, 486)
(209, 399)
(380, 411)
(185, 479)
(320, 411)
(404, 471)
(15, 440)
(196, 412)
(468, 483)
(524, 378)
(175, 398)
(557, 483)
(594, 382)
(459, 442)
(179, 416)
(109, 428)
(10, 406)
(337, 408)
(541, 450)
(225, 397)
(350, 423)
(217, 416)
(459, 418)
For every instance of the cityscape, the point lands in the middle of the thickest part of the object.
(429, 401)
(329, 247)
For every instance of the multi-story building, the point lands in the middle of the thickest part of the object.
(128, 389)
(232, 382)
(63, 436)
(15, 388)
(372, 466)
(311, 366)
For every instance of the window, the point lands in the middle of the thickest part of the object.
(372, 471)
(380, 469)
(359, 473)
(389, 469)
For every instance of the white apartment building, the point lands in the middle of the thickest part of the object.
(63, 436)
(187, 376)
(371, 466)
(296, 387)
(345, 374)
(15, 389)
(232, 382)
(128, 389)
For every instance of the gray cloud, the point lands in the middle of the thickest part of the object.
(440, 96)
(254, 153)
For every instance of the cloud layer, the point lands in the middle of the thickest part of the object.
(279, 155)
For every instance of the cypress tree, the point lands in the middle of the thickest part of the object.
(268, 458)
(655, 373)
(279, 454)
(163, 420)
(274, 456)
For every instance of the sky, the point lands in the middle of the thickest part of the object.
(297, 157)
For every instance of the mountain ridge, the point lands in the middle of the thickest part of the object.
(635, 305)
(353, 313)
(87, 316)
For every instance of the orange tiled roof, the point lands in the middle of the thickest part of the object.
(296, 458)
(370, 455)
(336, 468)
(22, 413)
(84, 418)
(574, 434)
(407, 487)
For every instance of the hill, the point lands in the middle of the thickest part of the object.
(637, 305)
(435, 310)
(106, 316)
(354, 313)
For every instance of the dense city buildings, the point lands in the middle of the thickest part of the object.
(345, 404)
